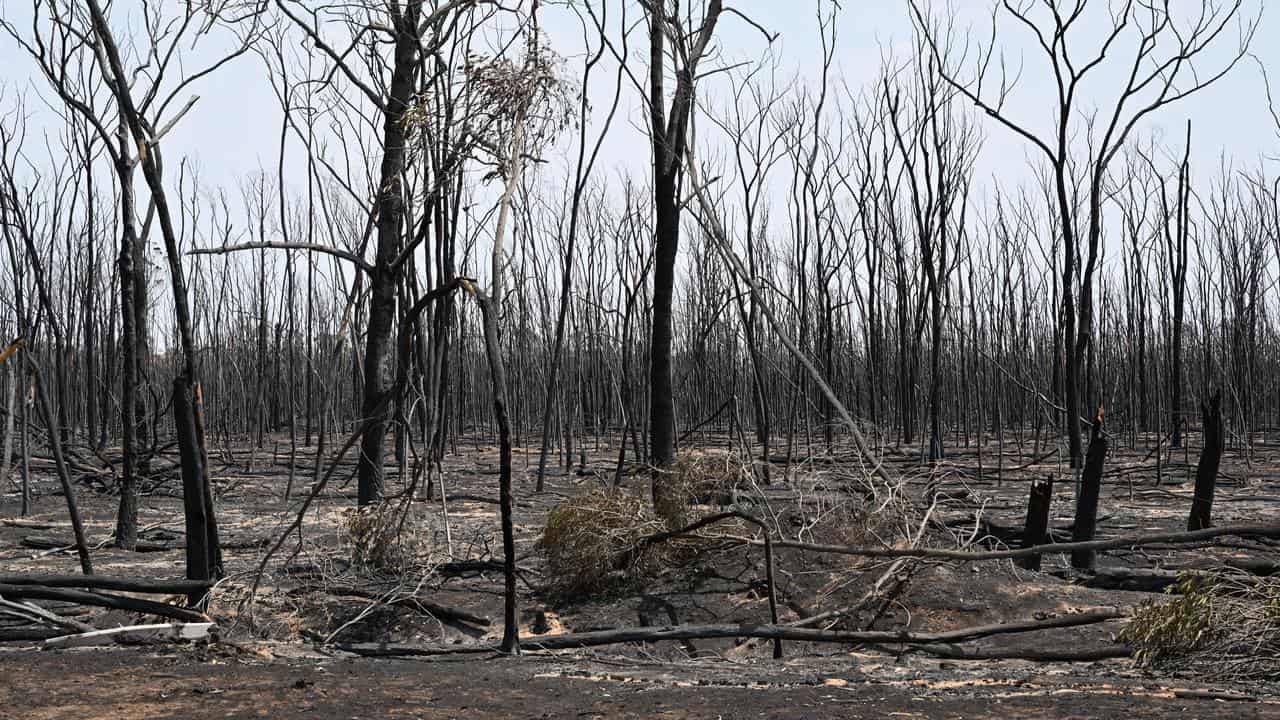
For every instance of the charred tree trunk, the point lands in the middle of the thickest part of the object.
(669, 137)
(132, 417)
(1037, 526)
(498, 374)
(1090, 488)
(382, 303)
(64, 476)
(199, 554)
(1207, 468)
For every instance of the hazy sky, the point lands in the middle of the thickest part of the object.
(233, 129)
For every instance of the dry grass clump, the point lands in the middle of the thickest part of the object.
(698, 478)
(1225, 627)
(383, 537)
(591, 542)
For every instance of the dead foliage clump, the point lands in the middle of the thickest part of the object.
(1222, 627)
(592, 543)
(383, 537)
(697, 478)
(893, 521)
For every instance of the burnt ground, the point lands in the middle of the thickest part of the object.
(115, 684)
(284, 663)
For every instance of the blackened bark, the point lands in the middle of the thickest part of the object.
(199, 563)
(1037, 525)
(661, 400)
(64, 476)
(498, 374)
(1207, 468)
(131, 405)
(382, 291)
(211, 518)
(1176, 243)
(669, 136)
(1090, 488)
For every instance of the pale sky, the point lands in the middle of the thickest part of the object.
(233, 129)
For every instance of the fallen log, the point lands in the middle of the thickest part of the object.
(1223, 695)
(168, 632)
(118, 602)
(462, 567)
(43, 542)
(1123, 541)
(101, 582)
(953, 652)
(747, 630)
(1132, 579)
(1254, 566)
(32, 612)
(28, 634)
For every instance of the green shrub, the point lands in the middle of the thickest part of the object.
(1222, 627)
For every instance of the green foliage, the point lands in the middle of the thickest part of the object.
(1174, 627)
(1223, 627)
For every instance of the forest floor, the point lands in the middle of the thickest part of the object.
(282, 661)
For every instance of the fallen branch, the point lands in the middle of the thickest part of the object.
(652, 540)
(953, 652)
(749, 630)
(1124, 541)
(168, 632)
(100, 582)
(34, 613)
(28, 634)
(44, 542)
(118, 602)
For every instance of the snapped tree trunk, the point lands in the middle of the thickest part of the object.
(1037, 526)
(1090, 488)
(1207, 468)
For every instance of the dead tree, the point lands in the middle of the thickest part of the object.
(936, 147)
(1175, 229)
(1166, 54)
(582, 174)
(146, 139)
(1086, 521)
(1207, 467)
(413, 36)
(668, 130)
